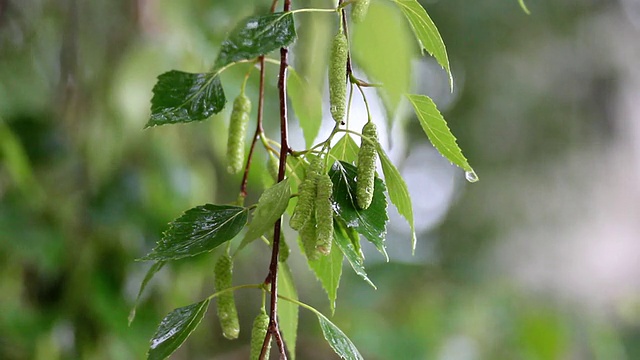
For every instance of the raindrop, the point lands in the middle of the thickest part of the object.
(471, 176)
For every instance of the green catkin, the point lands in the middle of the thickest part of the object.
(237, 133)
(258, 332)
(227, 312)
(308, 236)
(366, 166)
(307, 195)
(284, 249)
(359, 10)
(324, 214)
(338, 76)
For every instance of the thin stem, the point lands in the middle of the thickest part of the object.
(246, 286)
(272, 277)
(345, 28)
(259, 130)
(313, 10)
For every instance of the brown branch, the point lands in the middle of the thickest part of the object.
(259, 130)
(272, 277)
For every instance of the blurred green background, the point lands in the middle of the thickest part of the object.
(538, 260)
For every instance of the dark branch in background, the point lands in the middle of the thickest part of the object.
(284, 150)
(259, 130)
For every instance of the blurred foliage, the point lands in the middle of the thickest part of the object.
(84, 190)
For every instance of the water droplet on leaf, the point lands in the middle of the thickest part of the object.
(471, 176)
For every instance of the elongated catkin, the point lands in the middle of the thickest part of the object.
(366, 166)
(227, 313)
(338, 76)
(324, 214)
(359, 10)
(237, 133)
(258, 332)
(307, 195)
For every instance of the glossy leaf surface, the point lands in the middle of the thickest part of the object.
(255, 36)
(175, 328)
(199, 230)
(271, 205)
(338, 341)
(180, 97)
(372, 222)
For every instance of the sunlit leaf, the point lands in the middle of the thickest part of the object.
(381, 46)
(175, 328)
(149, 275)
(288, 311)
(180, 97)
(338, 341)
(438, 132)
(398, 192)
(199, 230)
(343, 237)
(307, 105)
(345, 149)
(372, 222)
(271, 205)
(255, 36)
(426, 32)
(328, 269)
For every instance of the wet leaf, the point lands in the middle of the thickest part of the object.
(180, 97)
(150, 273)
(426, 32)
(338, 341)
(255, 36)
(398, 192)
(175, 328)
(372, 222)
(438, 132)
(199, 230)
(345, 239)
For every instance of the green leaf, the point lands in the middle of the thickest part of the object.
(180, 97)
(382, 46)
(328, 270)
(372, 222)
(175, 328)
(150, 273)
(524, 7)
(398, 192)
(199, 230)
(271, 205)
(307, 105)
(255, 36)
(345, 149)
(344, 238)
(426, 32)
(338, 341)
(439, 134)
(288, 311)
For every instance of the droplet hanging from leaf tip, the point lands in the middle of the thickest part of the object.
(471, 176)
